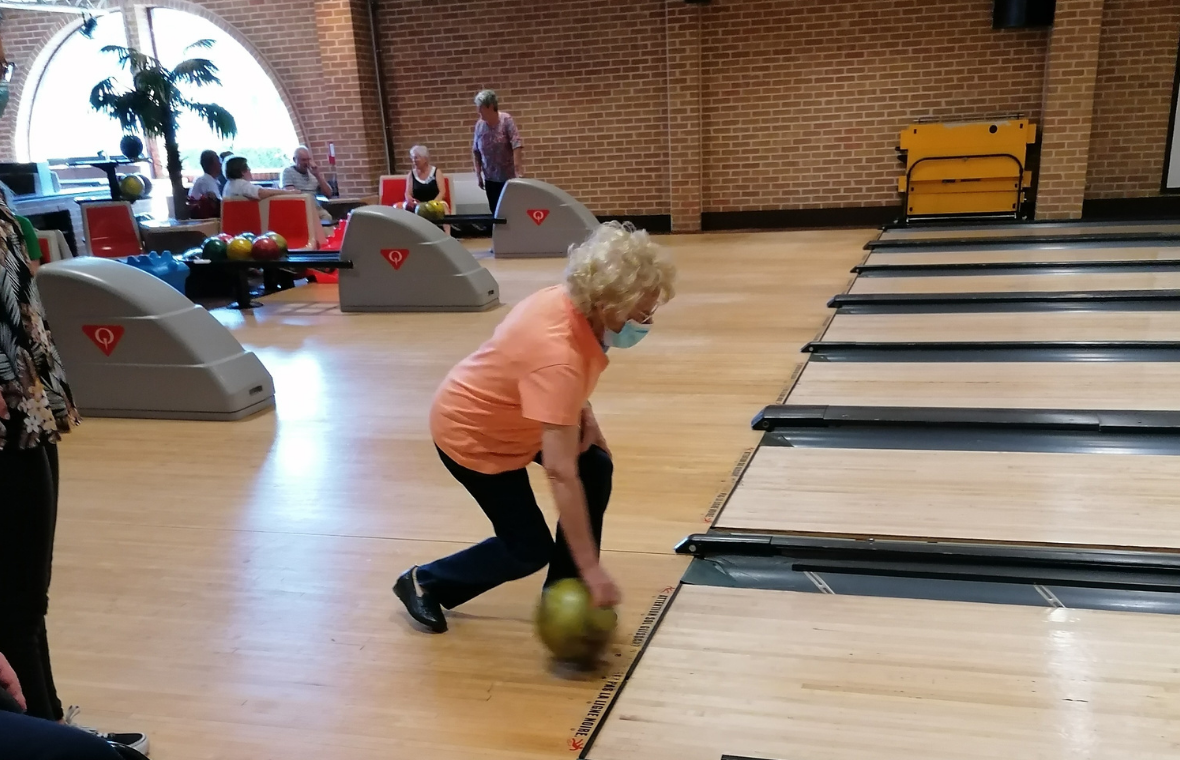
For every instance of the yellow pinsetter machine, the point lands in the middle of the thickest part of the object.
(966, 169)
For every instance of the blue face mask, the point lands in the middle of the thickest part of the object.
(631, 333)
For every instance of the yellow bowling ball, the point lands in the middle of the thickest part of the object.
(240, 248)
(132, 187)
(569, 624)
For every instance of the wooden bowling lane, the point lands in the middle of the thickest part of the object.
(1030, 282)
(1054, 253)
(984, 232)
(782, 675)
(1032, 326)
(226, 586)
(1128, 386)
(1123, 500)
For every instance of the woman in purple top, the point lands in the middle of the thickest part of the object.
(497, 150)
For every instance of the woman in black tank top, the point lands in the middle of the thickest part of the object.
(424, 182)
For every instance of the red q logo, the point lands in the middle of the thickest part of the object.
(395, 256)
(538, 215)
(106, 337)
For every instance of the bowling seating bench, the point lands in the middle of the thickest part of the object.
(302, 259)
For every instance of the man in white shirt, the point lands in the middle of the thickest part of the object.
(304, 175)
(208, 183)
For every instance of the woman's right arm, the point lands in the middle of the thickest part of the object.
(477, 159)
(409, 199)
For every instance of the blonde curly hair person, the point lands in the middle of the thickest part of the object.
(524, 397)
(617, 269)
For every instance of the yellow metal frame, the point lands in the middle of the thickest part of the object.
(966, 168)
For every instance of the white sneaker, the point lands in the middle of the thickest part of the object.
(135, 740)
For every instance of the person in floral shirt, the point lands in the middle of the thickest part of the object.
(497, 151)
(36, 409)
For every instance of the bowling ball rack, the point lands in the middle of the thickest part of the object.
(296, 259)
(471, 219)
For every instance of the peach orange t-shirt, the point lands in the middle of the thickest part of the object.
(539, 367)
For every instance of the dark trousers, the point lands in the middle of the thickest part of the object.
(28, 519)
(522, 544)
(493, 189)
(25, 738)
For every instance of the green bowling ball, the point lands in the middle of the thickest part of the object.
(213, 249)
(569, 624)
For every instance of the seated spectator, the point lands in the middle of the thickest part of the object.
(304, 175)
(425, 181)
(240, 184)
(204, 197)
(207, 184)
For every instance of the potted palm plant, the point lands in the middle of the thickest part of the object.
(156, 100)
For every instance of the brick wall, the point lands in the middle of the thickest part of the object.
(585, 81)
(658, 107)
(1068, 108)
(684, 115)
(803, 101)
(1133, 97)
(348, 96)
(286, 38)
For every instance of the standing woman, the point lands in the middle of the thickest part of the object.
(497, 150)
(36, 408)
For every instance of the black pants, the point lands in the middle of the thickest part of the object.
(522, 545)
(28, 519)
(25, 738)
(493, 189)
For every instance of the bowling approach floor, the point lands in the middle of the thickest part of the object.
(226, 586)
(954, 538)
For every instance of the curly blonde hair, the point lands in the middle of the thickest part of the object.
(615, 268)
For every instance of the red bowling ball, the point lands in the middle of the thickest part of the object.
(267, 249)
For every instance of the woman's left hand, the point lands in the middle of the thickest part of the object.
(591, 433)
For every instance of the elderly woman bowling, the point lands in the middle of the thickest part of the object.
(523, 397)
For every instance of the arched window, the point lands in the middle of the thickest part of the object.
(266, 135)
(61, 121)
(62, 124)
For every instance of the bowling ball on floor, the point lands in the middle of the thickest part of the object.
(240, 248)
(214, 249)
(225, 236)
(569, 624)
(248, 235)
(266, 248)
